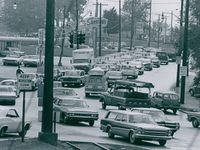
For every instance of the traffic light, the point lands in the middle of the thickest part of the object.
(71, 40)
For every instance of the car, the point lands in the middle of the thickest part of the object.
(31, 60)
(155, 61)
(195, 90)
(139, 66)
(73, 77)
(163, 57)
(147, 63)
(12, 83)
(112, 76)
(194, 117)
(160, 118)
(12, 60)
(60, 92)
(134, 126)
(128, 71)
(7, 95)
(105, 67)
(15, 51)
(166, 100)
(127, 94)
(11, 122)
(75, 110)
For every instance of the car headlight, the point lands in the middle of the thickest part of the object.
(169, 133)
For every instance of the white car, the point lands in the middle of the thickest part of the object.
(61, 92)
(7, 95)
(12, 60)
(11, 83)
(31, 60)
(10, 122)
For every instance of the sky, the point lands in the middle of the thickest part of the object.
(158, 6)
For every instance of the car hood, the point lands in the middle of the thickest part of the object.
(114, 77)
(77, 110)
(81, 64)
(149, 126)
(10, 58)
(31, 60)
(66, 96)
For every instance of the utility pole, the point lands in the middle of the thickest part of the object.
(77, 42)
(165, 29)
(158, 40)
(95, 31)
(171, 27)
(119, 42)
(100, 29)
(185, 51)
(132, 24)
(180, 45)
(149, 42)
(46, 135)
(63, 37)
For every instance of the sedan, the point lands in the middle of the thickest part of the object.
(12, 60)
(134, 126)
(11, 122)
(7, 95)
(31, 60)
(195, 90)
(160, 118)
(11, 83)
(75, 110)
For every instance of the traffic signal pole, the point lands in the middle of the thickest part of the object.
(185, 51)
(46, 135)
(77, 40)
(100, 29)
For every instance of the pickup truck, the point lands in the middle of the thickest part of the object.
(124, 94)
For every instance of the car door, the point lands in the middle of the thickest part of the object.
(14, 121)
(117, 124)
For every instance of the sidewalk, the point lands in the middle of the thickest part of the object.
(191, 103)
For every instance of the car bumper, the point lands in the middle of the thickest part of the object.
(81, 118)
(152, 137)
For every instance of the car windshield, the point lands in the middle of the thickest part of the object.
(170, 96)
(72, 73)
(141, 119)
(31, 56)
(74, 103)
(68, 92)
(6, 89)
(114, 73)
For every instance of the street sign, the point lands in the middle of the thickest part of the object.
(25, 81)
(94, 22)
(41, 36)
(183, 71)
(178, 60)
(139, 28)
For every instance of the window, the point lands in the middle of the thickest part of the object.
(119, 117)
(111, 115)
(12, 113)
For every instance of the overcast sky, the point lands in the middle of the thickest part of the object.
(158, 6)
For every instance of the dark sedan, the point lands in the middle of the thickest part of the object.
(75, 110)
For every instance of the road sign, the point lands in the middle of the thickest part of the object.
(41, 36)
(178, 60)
(25, 81)
(183, 71)
(139, 28)
(94, 22)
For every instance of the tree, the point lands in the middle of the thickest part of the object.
(113, 20)
(194, 36)
(30, 14)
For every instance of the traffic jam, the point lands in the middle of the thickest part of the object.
(137, 113)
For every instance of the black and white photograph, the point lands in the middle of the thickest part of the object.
(99, 74)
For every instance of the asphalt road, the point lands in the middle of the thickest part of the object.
(187, 138)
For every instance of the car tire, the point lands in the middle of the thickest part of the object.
(87, 94)
(162, 142)
(195, 123)
(132, 137)
(91, 123)
(174, 111)
(2, 132)
(110, 134)
(191, 92)
(103, 105)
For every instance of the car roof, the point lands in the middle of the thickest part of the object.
(147, 109)
(127, 112)
(14, 80)
(73, 99)
(135, 83)
(166, 92)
